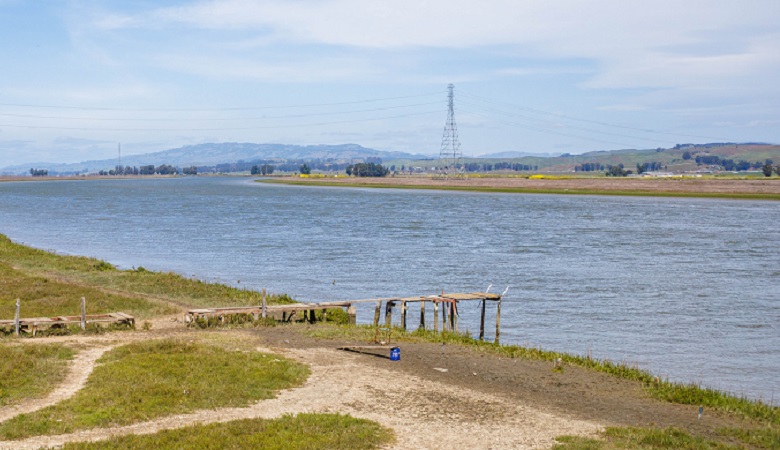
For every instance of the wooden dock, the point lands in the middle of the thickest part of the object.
(284, 313)
(35, 324)
(447, 303)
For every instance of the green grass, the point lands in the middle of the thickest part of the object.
(146, 380)
(40, 275)
(31, 371)
(304, 431)
(671, 438)
(44, 297)
(661, 389)
(513, 190)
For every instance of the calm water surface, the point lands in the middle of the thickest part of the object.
(687, 288)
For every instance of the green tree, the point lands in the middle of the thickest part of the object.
(686, 155)
(305, 169)
(767, 169)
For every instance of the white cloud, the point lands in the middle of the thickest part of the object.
(648, 44)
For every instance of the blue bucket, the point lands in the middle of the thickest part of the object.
(395, 354)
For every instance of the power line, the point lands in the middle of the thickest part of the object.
(595, 122)
(291, 116)
(240, 108)
(221, 128)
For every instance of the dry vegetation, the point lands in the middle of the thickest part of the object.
(768, 189)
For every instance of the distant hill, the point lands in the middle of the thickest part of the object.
(680, 158)
(510, 154)
(670, 159)
(220, 153)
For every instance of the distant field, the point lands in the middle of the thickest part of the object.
(754, 188)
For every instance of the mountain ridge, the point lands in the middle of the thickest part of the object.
(209, 154)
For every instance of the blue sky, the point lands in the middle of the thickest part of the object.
(78, 77)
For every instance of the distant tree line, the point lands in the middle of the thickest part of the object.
(504, 165)
(367, 170)
(163, 169)
(729, 164)
(264, 169)
(39, 172)
(590, 167)
(651, 166)
(618, 171)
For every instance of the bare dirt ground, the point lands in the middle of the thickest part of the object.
(434, 397)
(646, 185)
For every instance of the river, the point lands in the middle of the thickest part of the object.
(686, 288)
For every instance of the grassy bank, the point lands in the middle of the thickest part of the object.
(31, 371)
(304, 431)
(49, 284)
(142, 381)
(525, 190)
(665, 390)
(670, 438)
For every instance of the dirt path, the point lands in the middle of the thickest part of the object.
(424, 413)
(78, 372)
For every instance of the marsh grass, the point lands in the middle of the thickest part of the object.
(31, 371)
(50, 284)
(145, 380)
(43, 297)
(304, 431)
(662, 389)
(671, 438)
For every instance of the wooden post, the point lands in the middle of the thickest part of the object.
(453, 322)
(435, 316)
(83, 313)
(482, 322)
(422, 315)
(403, 315)
(352, 314)
(389, 314)
(16, 317)
(377, 313)
(444, 317)
(265, 306)
(498, 321)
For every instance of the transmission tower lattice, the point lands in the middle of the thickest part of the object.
(450, 156)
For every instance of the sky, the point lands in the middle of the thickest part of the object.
(79, 78)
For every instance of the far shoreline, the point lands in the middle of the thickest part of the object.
(739, 189)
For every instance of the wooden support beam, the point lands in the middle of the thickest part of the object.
(352, 314)
(444, 317)
(403, 315)
(377, 312)
(435, 316)
(264, 313)
(83, 313)
(422, 315)
(498, 321)
(389, 313)
(16, 317)
(453, 322)
(482, 323)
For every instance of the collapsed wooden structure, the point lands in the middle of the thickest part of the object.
(447, 303)
(284, 313)
(35, 324)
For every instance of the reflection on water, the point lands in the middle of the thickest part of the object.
(684, 287)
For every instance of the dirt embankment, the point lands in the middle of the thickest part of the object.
(647, 186)
(436, 396)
